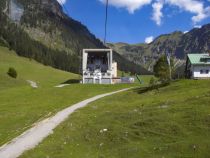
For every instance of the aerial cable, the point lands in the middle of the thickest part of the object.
(106, 19)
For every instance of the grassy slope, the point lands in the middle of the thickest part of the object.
(173, 122)
(31, 70)
(21, 105)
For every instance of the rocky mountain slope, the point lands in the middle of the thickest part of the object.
(39, 29)
(177, 44)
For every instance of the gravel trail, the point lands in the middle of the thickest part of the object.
(32, 137)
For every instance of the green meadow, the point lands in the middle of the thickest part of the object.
(169, 122)
(21, 105)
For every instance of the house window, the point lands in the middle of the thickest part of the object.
(204, 71)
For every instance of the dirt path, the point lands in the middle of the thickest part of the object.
(62, 85)
(41, 130)
(32, 83)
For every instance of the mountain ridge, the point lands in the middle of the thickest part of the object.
(177, 43)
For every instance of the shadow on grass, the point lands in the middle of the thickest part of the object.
(72, 81)
(151, 88)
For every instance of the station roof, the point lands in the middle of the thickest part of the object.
(97, 50)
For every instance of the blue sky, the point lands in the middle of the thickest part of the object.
(134, 21)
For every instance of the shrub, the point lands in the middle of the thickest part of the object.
(12, 72)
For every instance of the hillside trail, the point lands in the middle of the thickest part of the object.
(32, 84)
(62, 85)
(35, 135)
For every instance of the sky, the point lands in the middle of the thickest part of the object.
(138, 21)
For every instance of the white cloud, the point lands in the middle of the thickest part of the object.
(197, 26)
(185, 32)
(61, 1)
(207, 11)
(157, 11)
(193, 6)
(149, 39)
(196, 7)
(130, 5)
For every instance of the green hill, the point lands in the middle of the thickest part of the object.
(171, 122)
(29, 70)
(21, 105)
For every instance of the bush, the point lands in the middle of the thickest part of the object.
(12, 72)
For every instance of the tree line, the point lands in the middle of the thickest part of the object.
(12, 36)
